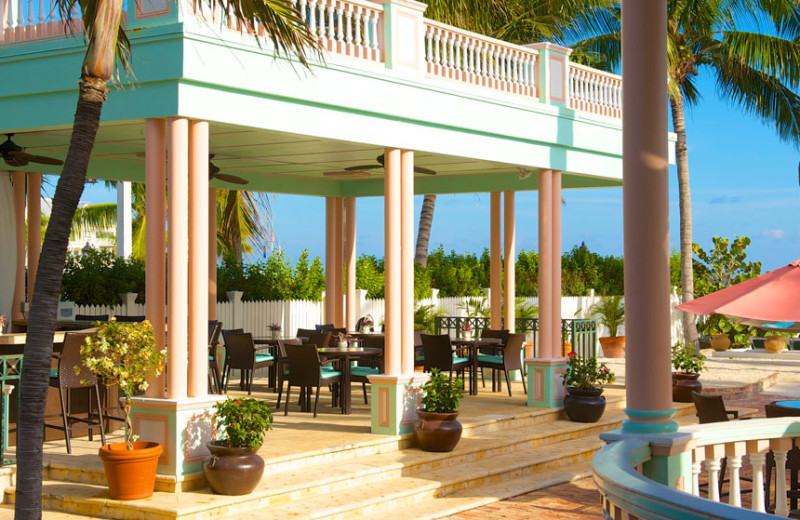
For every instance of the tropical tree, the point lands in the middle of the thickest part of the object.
(751, 49)
(107, 47)
(515, 21)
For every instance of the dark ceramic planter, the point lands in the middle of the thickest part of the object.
(437, 431)
(232, 471)
(584, 405)
(683, 384)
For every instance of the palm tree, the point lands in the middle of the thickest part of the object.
(751, 50)
(107, 43)
(515, 21)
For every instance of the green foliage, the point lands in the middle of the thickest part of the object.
(610, 312)
(245, 421)
(456, 274)
(308, 280)
(582, 270)
(527, 273)
(425, 318)
(475, 308)
(524, 311)
(98, 277)
(123, 354)
(584, 373)
(272, 279)
(369, 276)
(440, 394)
(724, 265)
(687, 360)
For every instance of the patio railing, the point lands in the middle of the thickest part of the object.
(580, 334)
(620, 468)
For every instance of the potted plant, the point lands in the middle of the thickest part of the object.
(367, 324)
(234, 467)
(438, 428)
(3, 321)
(688, 364)
(466, 330)
(584, 401)
(341, 340)
(275, 330)
(610, 311)
(124, 354)
(714, 327)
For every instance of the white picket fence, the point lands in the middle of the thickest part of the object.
(257, 316)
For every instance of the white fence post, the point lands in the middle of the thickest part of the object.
(237, 315)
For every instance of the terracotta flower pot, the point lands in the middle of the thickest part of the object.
(584, 405)
(232, 471)
(613, 346)
(720, 342)
(437, 431)
(131, 474)
(775, 344)
(683, 384)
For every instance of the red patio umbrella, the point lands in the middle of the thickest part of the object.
(771, 300)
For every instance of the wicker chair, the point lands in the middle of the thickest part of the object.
(368, 366)
(63, 378)
(214, 380)
(305, 333)
(305, 371)
(321, 340)
(510, 359)
(241, 354)
(439, 354)
(283, 364)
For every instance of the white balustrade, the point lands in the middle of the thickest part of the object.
(595, 91)
(473, 58)
(348, 27)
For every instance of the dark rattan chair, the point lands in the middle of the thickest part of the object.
(510, 359)
(283, 364)
(305, 371)
(91, 317)
(241, 354)
(63, 378)
(130, 319)
(439, 354)
(326, 326)
(305, 333)
(214, 379)
(368, 366)
(321, 339)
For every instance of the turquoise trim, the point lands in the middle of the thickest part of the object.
(364, 371)
(485, 358)
(649, 427)
(329, 374)
(460, 360)
(262, 358)
(649, 414)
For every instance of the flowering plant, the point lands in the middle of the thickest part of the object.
(275, 326)
(341, 338)
(245, 422)
(686, 360)
(3, 321)
(466, 327)
(123, 354)
(585, 373)
(368, 321)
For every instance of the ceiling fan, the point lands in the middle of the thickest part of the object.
(214, 173)
(358, 171)
(15, 155)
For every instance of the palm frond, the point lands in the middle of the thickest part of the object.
(772, 55)
(94, 217)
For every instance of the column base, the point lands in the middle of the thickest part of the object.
(395, 400)
(671, 459)
(182, 426)
(649, 421)
(546, 382)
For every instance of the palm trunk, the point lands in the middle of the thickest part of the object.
(685, 201)
(41, 322)
(424, 234)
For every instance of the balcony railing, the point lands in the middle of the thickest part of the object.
(627, 493)
(362, 30)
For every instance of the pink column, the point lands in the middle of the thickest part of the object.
(330, 266)
(556, 263)
(407, 259)
(510, 258)
(177, 272)
(393, 259)
(18, 178)
(495, 263)
(34, 228)
(547, 336)
(198, 259)
(212, 253)
(338, 256)
(155, 259)
(646, 224)
(350, 261)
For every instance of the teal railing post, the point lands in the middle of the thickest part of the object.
(10, 370)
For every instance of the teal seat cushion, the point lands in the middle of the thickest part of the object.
(457, 360)
(485, 358)
(364, 371)
(326, 374)
(328, 368)
(262, 358)
(419, 358)
(53, 372)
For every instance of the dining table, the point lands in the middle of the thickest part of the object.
(346, 356)
(474, 345)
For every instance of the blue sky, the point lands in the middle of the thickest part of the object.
(744, 181)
